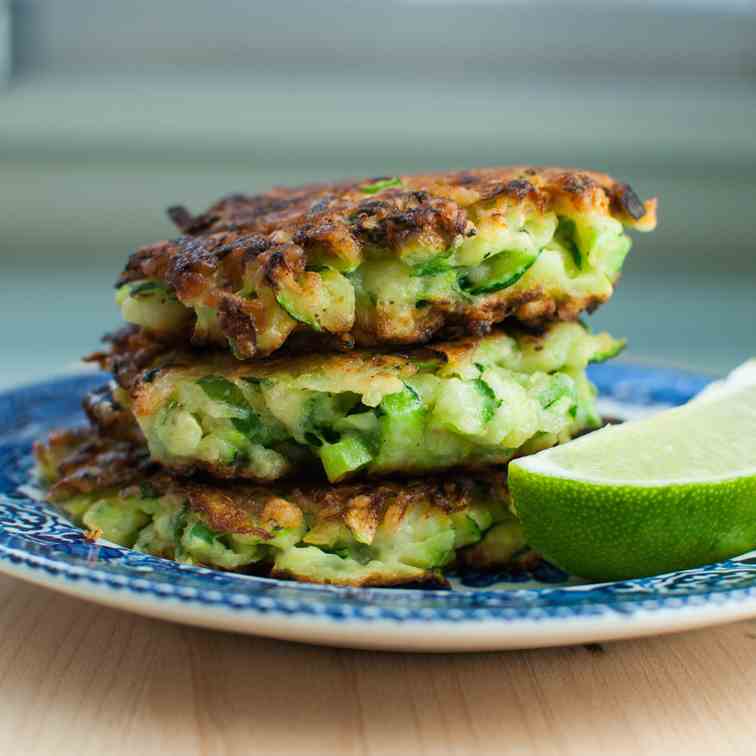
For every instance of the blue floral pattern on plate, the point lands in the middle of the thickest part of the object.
(35, 536)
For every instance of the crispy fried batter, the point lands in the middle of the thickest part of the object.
(230, 507)
(272, 239)
(110, 416)
(425, 203)
(81, 461)
(136, 357)
(280, 417)
(132, 350)
(84, 462)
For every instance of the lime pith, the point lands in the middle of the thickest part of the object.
(669, 492)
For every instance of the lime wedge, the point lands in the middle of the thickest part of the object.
(668, 492)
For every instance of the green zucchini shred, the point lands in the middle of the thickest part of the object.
(380, 185)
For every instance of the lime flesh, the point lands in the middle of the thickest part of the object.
(669, 492)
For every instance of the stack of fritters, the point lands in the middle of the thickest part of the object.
(298, 358)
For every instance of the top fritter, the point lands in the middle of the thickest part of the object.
(388, 260)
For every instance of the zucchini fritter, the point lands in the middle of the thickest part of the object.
(382, 534)
(387, 261)
(468, 403)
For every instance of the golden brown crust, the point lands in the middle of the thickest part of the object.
(136, 357)
(131, 351)
(114, 420)
(82, 461)
(235, 507)
(269, 240)
(427, 203)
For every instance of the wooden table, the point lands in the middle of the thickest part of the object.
(80, 679)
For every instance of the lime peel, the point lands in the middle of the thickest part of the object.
(668, 492)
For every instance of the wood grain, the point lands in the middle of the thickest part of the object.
(79, 679)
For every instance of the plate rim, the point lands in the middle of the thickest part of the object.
(411, 635)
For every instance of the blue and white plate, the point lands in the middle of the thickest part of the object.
(508, 610)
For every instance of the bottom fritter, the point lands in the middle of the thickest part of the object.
(379, 534)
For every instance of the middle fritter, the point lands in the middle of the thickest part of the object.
(469, 403)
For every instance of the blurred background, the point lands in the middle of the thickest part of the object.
(111, 111)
